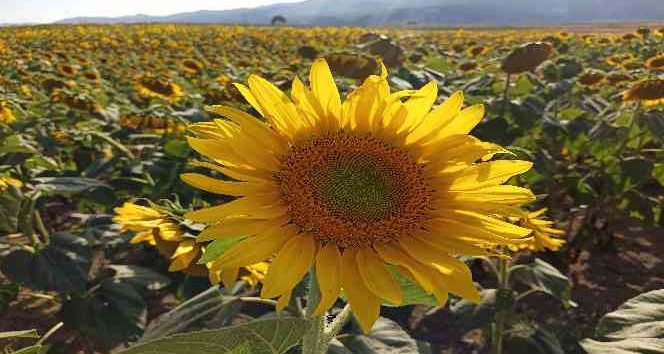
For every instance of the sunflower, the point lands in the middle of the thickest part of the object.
(5, 182)
(526, 57)
(164, 233)
(476, 51)
(151, 87)
(357, 190)
(542, 232)
(649, 92)
(192, 66)
(152, 124)
(6, 115)
(655, 63)
(468, 66)
(591, 78)
(620, 59)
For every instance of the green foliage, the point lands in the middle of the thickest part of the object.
(269, 336)
(636, 327)
(542, 276)
(62, 266)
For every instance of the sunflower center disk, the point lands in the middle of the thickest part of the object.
(353, 190)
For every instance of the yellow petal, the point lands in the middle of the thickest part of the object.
(276, 106)
(246, 93)
(324, 88)
(183, 256)
(256, 248)
(218, 150)
(289, 266)
(365, 305)
(480, 225)
(252, 126)
(262, 206)
(229, 276)
(377, 278)
(240, 174)
(145, 236)
(328, 266)
(457, 275)
(420, 104)
(436, 119)
(463, 122)
(483, 175)
(233, 228)
(427, 277)
(494, 194)
(218, 186)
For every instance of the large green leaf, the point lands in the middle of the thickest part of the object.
(113, 310)
(214, 305)
(544, 277)
(637, 326)
(269, 336)
(386, 337)
(61, 267)
(536, 341)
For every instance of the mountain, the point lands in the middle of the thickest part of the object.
(422, 12)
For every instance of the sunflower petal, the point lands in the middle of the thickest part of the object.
(377, 278)
(365, 305)
(328, 267)
(289, 266)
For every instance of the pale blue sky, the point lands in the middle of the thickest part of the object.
(17, 11)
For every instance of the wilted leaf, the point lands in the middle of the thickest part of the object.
(10, 208)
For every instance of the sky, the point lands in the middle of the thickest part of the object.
(20, 11)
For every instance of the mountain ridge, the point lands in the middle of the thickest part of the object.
(422, 12)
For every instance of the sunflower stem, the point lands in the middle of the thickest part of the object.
(337, 324)
(313, 343)
(501, 316)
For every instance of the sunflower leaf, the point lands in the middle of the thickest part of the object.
(636, 327)
(269, 336)
(544, 277)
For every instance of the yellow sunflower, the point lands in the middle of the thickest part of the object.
(151, 87)
(655, 63)
(352, 188)
(5, 182)
(158, 230)
(542, 232)
(650, 92)
(6, 114)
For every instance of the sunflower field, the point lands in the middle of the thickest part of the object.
(245, 190)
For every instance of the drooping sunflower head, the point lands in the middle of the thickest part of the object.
(655, 63)
(649, 92)
(591, 78)
(357, 189)
(526, 57)
(543, 231)
(192, 66)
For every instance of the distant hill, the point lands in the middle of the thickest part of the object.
(422, 12)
